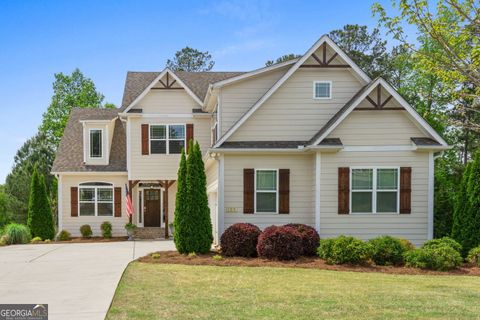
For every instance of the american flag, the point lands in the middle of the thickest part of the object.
(128, 200)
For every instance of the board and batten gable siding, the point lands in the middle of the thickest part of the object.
(376, 128)
(302, 199)
(161, 166)
(167, 102)
(291, 113)
(238, 97)
(411, 226)
(73, 224)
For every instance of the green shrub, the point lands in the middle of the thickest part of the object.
(192, 255)
(64, 235)
(106, 229)
(443, 241)
(40, 218)
(217, 257)
(86, 231)
(344, 250)
(407, 244)
(439, 257)
(387, 250)
(17, 233)
(36, 240)
(4, 240)
(47, 241)
(474, 256)
(155, 255)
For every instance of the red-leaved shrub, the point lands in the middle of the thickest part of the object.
(240, 239)
(282, 243)
(310, 238)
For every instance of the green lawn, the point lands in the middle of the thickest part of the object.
(157, 291)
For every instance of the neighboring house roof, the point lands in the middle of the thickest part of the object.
(69, 156)
(262, 144)
(198, 82)
(421, 141)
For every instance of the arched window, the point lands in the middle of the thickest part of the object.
(95, 199)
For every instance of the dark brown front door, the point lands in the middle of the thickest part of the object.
(151, 212)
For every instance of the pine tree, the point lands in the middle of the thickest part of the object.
(460, 208)
(180, 231)
(472, 217)
(40, 219)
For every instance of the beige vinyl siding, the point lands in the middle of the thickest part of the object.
(291, 113)
(362, 128)
(73, 224)
(162, 166)
(365, 226)
(238, 97)
(167, 102)
(211, 172)
(301, 191)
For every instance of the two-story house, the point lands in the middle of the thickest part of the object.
(312, 140)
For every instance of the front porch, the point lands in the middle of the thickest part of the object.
(154, 203)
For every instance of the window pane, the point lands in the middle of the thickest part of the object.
(158, 146)
(322, 90)
(87, 194)
(267, 180)
(105, 194)
(386, 202)
(362, 202)
(157, 132)
(266, 202)
(362, 179)
(175, 146)
(105, 209)
(387, 179)
(95, 143)
(177, 132)
(87, 209)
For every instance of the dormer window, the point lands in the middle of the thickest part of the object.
(322, 89)
(96, 143)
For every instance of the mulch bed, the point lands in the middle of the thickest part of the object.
(87, 240)
(173, 257)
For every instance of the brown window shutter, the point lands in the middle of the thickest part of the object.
(405, 190)
(145, 142)
(73, 201)
(344, 190)
(248, 190)
(284, 186)
(189, 134)
(118, 201)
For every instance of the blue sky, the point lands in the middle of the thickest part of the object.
(107, 38)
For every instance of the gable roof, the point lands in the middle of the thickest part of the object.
(359, 97)
(69, 157)
(137, 83)
(274, 88)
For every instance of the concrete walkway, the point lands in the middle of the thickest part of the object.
(76, 280)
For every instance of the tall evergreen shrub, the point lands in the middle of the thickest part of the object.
(181, 231)
(40, 219)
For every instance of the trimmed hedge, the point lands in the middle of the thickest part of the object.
(445, 241)
(106, 229)
(439, 257)
(282, 243)
(344, 250)
(240, 239)
(474, 256)
(64, 235)
(310, 238)
(17, 234)
(387, 250)
(86, 231)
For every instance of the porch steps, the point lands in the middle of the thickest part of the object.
(149, 233)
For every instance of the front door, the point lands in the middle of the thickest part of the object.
(151, 210)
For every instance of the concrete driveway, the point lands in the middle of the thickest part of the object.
(76, 280)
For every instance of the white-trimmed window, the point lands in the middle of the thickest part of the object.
(96, 143)
(167, 139)
(322, 89)
(95, 199)
(374, 190)
(266, 190)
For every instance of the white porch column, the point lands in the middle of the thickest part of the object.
(431, 168)
(220, 195)
(318, 158)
